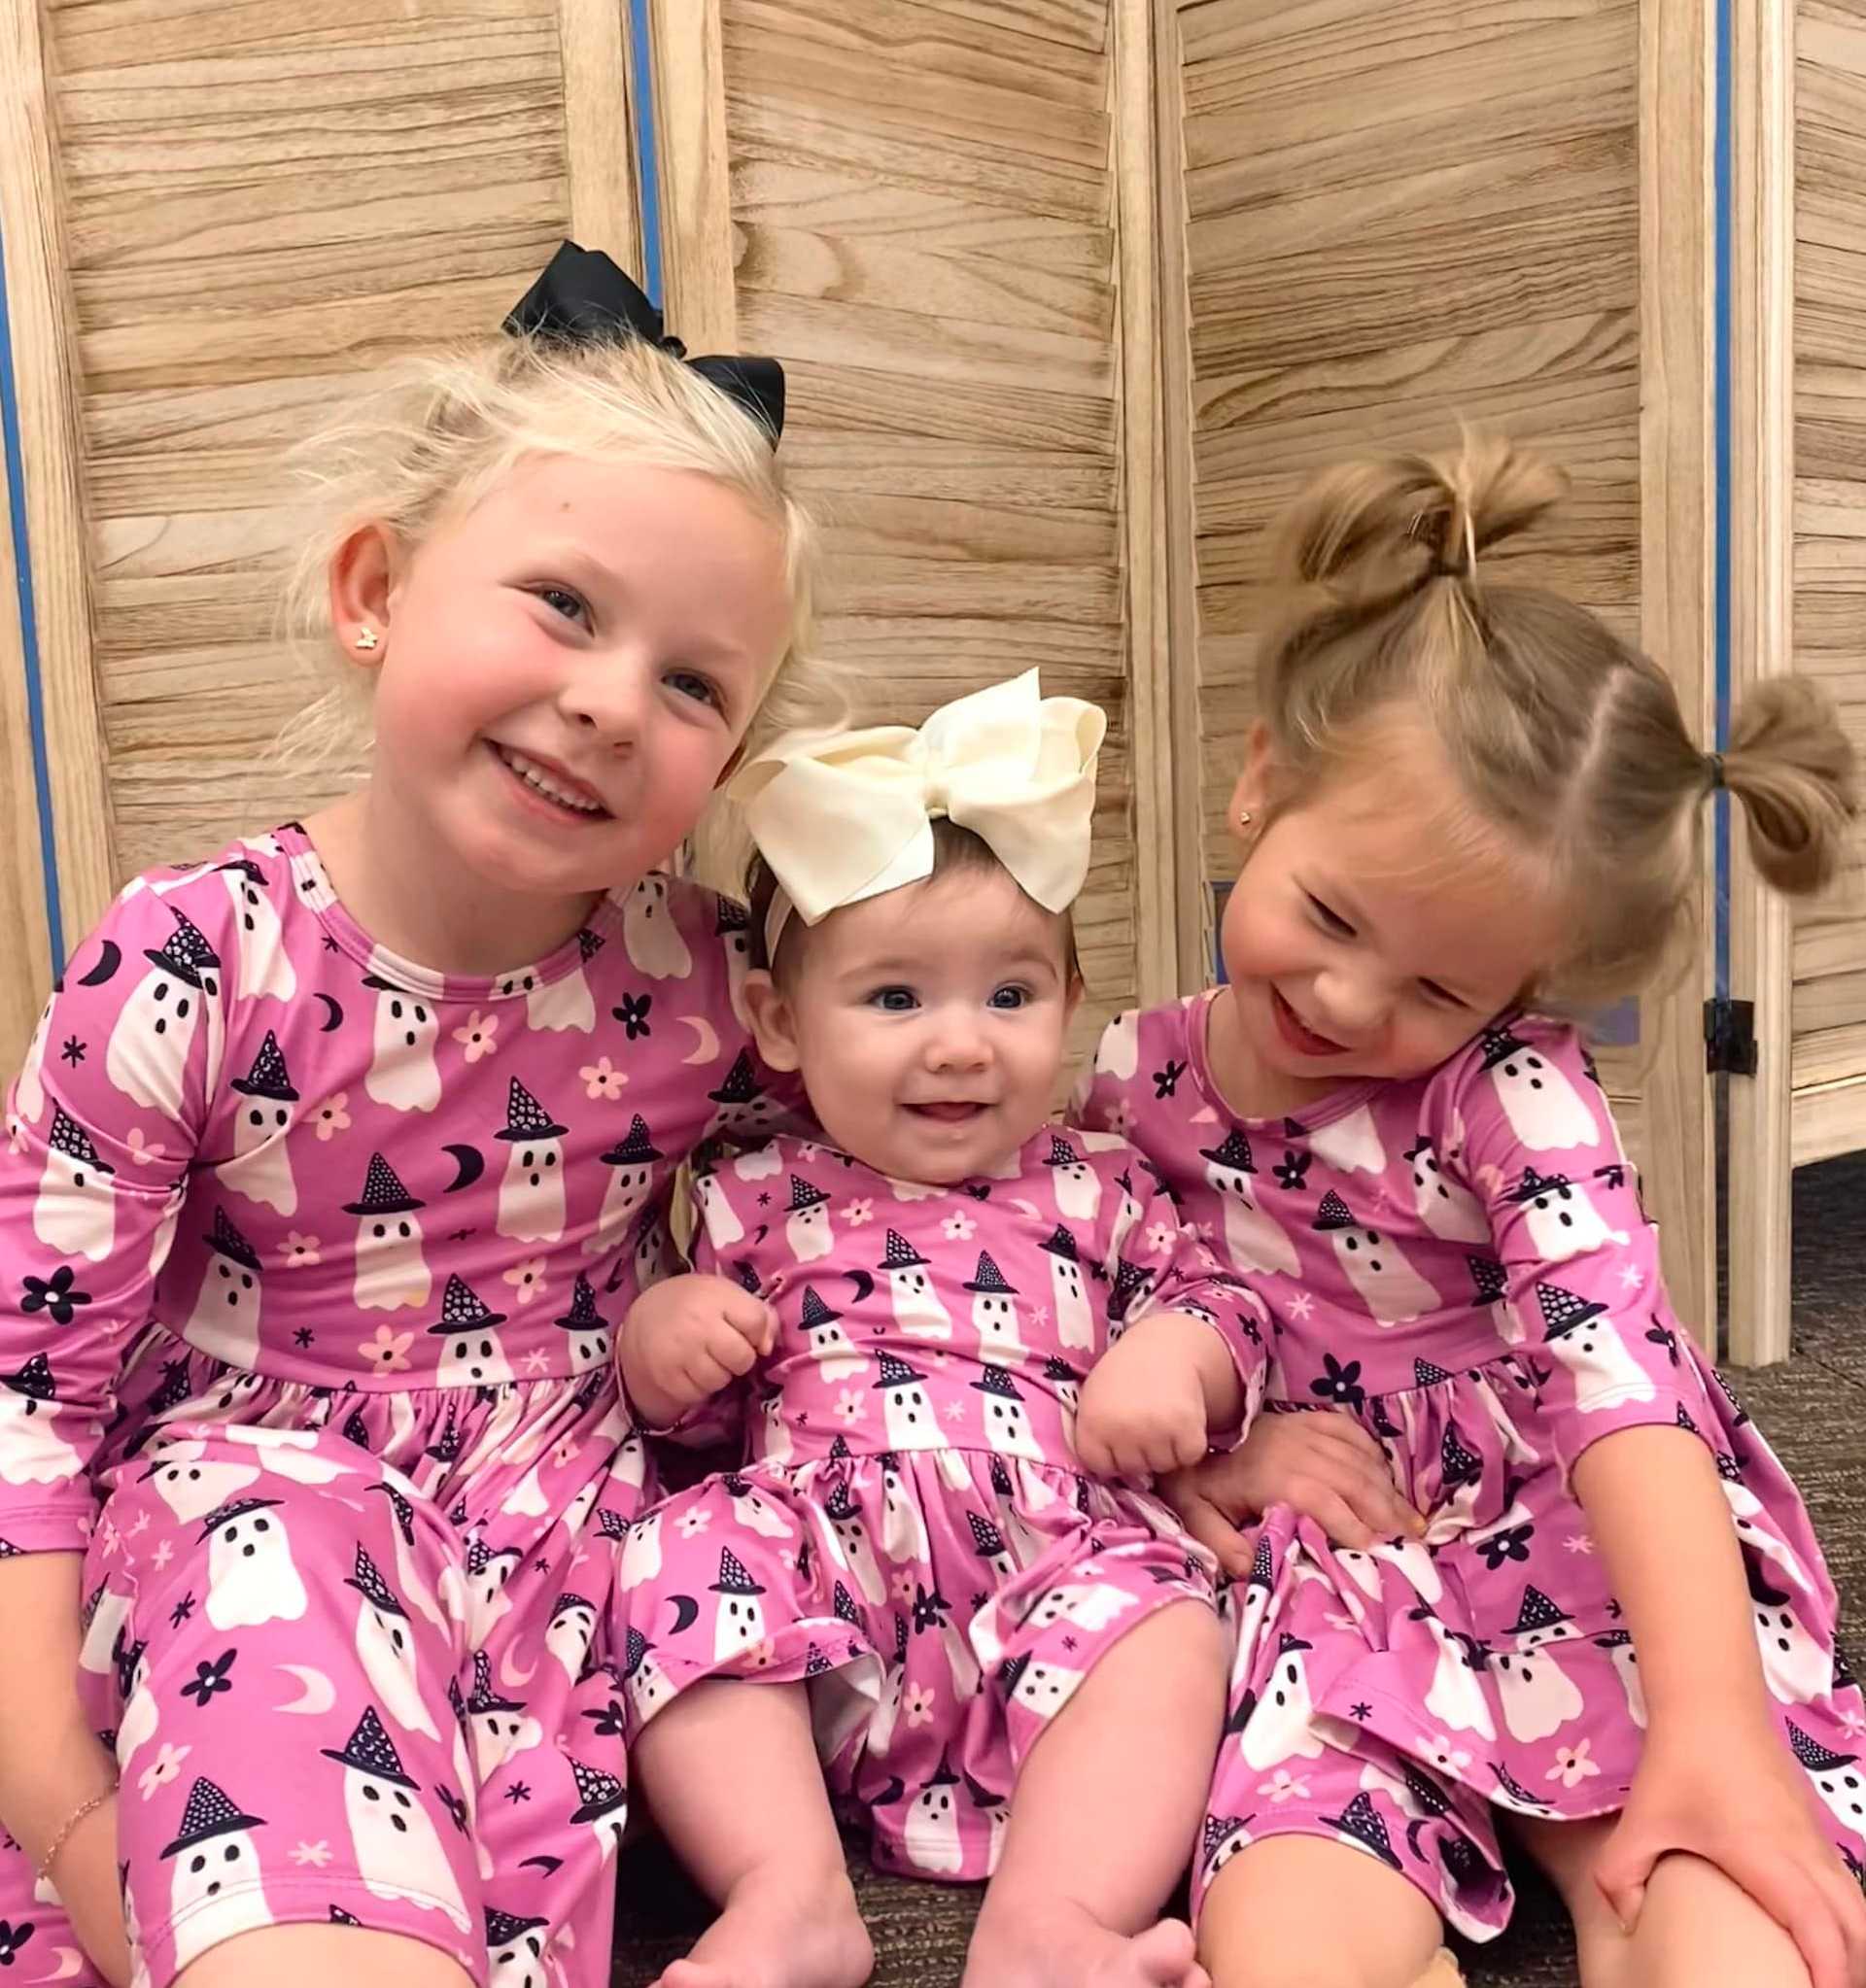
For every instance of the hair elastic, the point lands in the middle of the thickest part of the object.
(1713, 770)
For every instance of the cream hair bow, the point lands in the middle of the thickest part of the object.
(840, 817)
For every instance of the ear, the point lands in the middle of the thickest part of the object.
(1253, 792)
(364, 574)
(774, 1027)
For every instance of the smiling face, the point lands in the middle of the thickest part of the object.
(1371, 932)
(565, 672)
(928, 1023)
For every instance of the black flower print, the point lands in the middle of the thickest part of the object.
(1510, 1544)
(633, 1015)
(1292, 1172)
(1167, 1082)
(210, 1679)
(55, 1295)
(13, 1939)
(608, 1720)
(1341, 1384)
(929, 1610)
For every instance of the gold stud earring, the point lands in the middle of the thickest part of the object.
(367, 639)
(1245, 817)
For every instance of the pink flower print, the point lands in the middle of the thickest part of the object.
(144, 1152)
(300, 1251)
(849, 1406)
(162, 1770)
(1162, 1237)
(527, 1279)
(903, 1585)
(1283, 1786)
(386, 1352)
(1572, 1765)
(1437, 1748)
(694, 1522)
(601, 1078)
(857, 1213)
(330, 1118)
(479, 1035)
(957, 1228)
(919, 1703)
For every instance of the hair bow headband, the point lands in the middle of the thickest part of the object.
(582, 297)
(840, 817)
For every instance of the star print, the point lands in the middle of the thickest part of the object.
(537, 1360)
(542, 1567)
(979, 1600)
(1070, 1643)
(303, 1336)
(1363, 1710)
(956, 1411)
(1633, 1276)
(141, 1525)
(181, 1612)
(329, 944)
(1579, 1542)
(163, 1556)
(73, 1052)
(518, 1792)
(1615, 1611)
(460, 1235)
(1301, 1304)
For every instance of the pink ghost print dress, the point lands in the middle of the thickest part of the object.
(913, 1534)
(310, 1262)
(1462, 1262)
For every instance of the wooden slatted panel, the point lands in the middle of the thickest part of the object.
(1829, 1056)
(923, 215)
(259, 207)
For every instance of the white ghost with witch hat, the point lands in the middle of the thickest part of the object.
(189, 1485)
(265, 969)
(516, 1950)
(1491, 1289)
(147, 1055)
(1278, 1721)
(739, 1620)
(807, 1230)
(1069, 1294)
(605, 1806)
(1374, 1263)
(471, 1352)
(994, 1312)
(386, 1648)
(930, 1835)
(262, 1165)
(632, 1159)
(1253, 1240)
(849, 1545)
(225, 1318)
(571, 1632)
(499, 1727)
(743, 1105)
(1007, 1421)
(1044, 1687)
(1446, 1207)
(1794, 1666)
(399, 1851)
(649, 935)
(141, 1714)
(251, 1575)
(1537, 1695)
(390, 1271)
(1562, 1220)
(1545, 1112)
(717, 1211)
(564, 1002)
(646, 1682)
(216, 1888)
(1625, 1659)
(75, 1210)
(732, 929)
(402, 1072)
(906, 1413)
(1579, 1334)
(1075, 1183)
(484, 1601)
(409, 1575)
(829, 1344)
(641, 1552)
(589, 1330)
(918, 1311)
(1836, 1777)
(531, 1193)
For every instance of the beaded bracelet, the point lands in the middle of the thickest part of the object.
(70, 1824)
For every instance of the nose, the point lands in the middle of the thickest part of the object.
(956, 1042)
(606, 698)
(1354, 1003)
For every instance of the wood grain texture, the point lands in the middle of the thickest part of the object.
(1762, 581)
(1829, 576)
(598, 98)
(926, 232)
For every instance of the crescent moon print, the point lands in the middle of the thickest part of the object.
(686, 1612)
(509, 1675)
(705, 1040)
(320, 1694)
(108, 961)
(71, 1963)
(471, 1163)
(864, 1285)
(334, 1013)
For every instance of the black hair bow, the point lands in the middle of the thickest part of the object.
(582, 295)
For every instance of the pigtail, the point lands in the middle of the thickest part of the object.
(1794, 772)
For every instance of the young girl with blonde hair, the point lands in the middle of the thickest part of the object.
(1466, 800)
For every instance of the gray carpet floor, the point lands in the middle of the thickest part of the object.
(1814, 1411)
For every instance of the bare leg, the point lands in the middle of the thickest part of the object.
(1315, 1912)
(730, 1773)
(1696, 1927)
(312, 1955)
(1103, 1818)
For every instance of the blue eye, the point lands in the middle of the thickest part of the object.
(689, 683)
(561, 601)
(894, 1000)
(1010, 999)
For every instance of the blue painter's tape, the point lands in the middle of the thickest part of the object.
(28, 630)
(647, 161)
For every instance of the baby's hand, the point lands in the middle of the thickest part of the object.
(1322, 1462)
(1144, 1408)
(685, 1339)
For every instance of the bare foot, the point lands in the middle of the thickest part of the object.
(1062, 1947)
(777, 1933)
